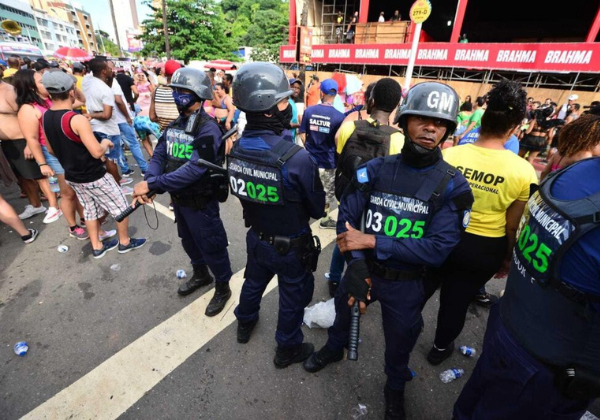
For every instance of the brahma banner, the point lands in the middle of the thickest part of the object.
(563, 57)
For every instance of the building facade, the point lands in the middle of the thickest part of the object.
(23, 15)
(55, 32)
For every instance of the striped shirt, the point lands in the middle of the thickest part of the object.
(164, 106)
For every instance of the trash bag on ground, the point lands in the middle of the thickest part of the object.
(320, 315)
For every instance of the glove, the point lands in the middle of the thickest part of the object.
(356, 277)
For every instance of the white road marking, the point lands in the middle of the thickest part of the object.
(115, 385)
(163, 210)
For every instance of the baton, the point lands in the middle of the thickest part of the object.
(354, 332)
(133, 208)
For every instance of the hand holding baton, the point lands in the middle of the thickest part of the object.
(133, 207)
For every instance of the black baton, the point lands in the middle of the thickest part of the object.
(132, 208)
(354, 331)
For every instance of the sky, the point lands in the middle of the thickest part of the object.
(100, 12)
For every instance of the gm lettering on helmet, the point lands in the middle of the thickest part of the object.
(440, 101)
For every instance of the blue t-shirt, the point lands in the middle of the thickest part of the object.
(581, 264)
(320, 123)
(289, 134)
(511, 144)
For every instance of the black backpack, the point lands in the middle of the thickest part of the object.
(368, 141)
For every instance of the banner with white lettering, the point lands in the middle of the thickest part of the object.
(575, 57)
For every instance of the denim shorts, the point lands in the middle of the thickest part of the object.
(53, 162)
(116, 152)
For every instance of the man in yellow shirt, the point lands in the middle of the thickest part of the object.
(14, 65)
(360, 141)
(78, 70)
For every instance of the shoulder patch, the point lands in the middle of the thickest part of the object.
(362, 176)
(466, 218)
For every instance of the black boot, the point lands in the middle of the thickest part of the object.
(285, 356)
(244, 330)
(394, 404)
(322, 358)
(435, 356)
(200, 278)
(217, 303)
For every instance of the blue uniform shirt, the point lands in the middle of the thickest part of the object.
(581, 263)
(511, 144)
(188, 173)
(320, 123)
(443, 234)
(300, 173)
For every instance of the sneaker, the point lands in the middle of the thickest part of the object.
(126, 181)
(436, 356)
(128, 172)
(171, 206)
(52, 215)
(333, 286)
(133, 244)
(329, 224)
(33, 233)
(127, 190)
(105, 234)
(79, 233)
(31, 211)
(486, 300)
(106, 246)
(82, 222)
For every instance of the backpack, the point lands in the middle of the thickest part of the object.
(368, 141)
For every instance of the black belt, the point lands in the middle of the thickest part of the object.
(293, 241)
(195, 201)
(395, 274)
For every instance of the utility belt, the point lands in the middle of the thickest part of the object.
(394, 274)
(576, 383)
(307, 246)
(196, 202)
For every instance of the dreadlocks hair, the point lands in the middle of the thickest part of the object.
(506, 108)
(579, 135)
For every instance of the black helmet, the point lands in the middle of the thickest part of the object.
(192, 79)
(431, 99)
(258, 87)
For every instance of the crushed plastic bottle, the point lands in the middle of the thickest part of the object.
(62, 248)
(359, 412)
(115, 267)
(21, 348)
(181, 274)
(451, 374)
(53, 184)
(468, 351)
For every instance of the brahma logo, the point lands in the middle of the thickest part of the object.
(289, 53)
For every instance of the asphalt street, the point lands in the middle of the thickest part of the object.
(119, 342)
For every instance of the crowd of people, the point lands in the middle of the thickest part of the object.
(432, 194)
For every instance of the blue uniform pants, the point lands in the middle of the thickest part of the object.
(336, 267)
(509, 383)
(401, 303)
(296, 286)
(204, 238)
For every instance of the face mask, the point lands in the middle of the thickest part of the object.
(184, 100)
(285, 116)
(418, 156)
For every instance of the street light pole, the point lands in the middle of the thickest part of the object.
(167, 46)
(112, 12)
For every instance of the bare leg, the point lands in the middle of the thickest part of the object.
(522, 152)
(122, 231)
(532, 156)
(9, 216)
(68, 202)
(148, 146)
(31, 190)
(113, 169)
(45, 187)
(93, 228)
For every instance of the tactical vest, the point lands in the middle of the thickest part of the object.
(551, 319)
(368, 141)
(256, 177)
(181, 143)
(402, 201)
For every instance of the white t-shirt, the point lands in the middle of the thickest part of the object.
(381, 19)
(97, 94)
(116, 90)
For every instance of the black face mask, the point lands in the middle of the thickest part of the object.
(418, 156)
(279, 121)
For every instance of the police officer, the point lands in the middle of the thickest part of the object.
(278, 185)
(414, 208)
(193, 135)
(541, 353)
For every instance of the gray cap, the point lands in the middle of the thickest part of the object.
(57, 81)
(77, 66)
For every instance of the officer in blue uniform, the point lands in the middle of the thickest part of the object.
(278, 185)
(193, 135)
(414, 208)
(541, 353)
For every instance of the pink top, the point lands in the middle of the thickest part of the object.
(41, 136)
(143, 87)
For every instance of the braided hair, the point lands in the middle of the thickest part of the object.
(580, 135)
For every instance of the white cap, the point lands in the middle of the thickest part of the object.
(573, 97)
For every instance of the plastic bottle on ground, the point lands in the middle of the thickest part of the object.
(54, 184)
(21, 348)
(451, 374)
(359, 412)
(181, 274)
(467, 351)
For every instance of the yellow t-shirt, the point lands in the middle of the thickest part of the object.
(9, 72)
(79, 80)
(347, 128)
(497, 179)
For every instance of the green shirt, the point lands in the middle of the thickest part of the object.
(476, 117)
